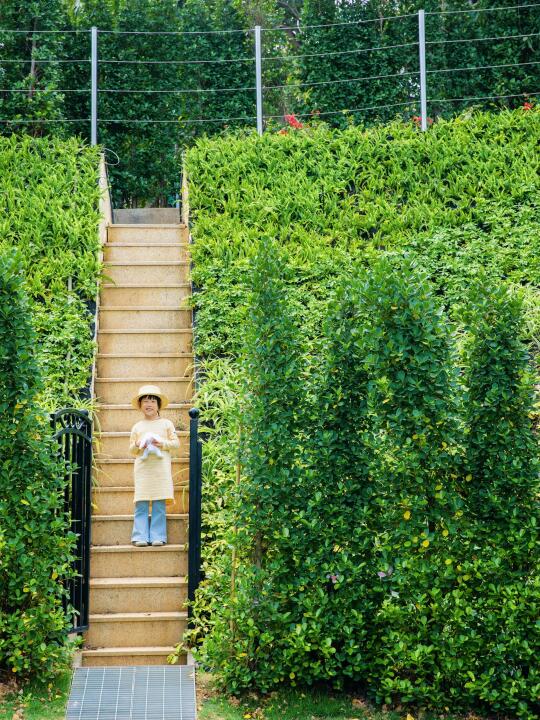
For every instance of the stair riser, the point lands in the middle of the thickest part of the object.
(141, 562)
(112, 393)
(122, 420)
(144, 342)
(140, 253)
(121, 474)
(144, 367)
(112, 633)
(126, 660)
(144, 319)
(146, 274)
(108, 448)
(119, 502)
(147, 236)
(137, 599)
(156, 296)
(118, 532)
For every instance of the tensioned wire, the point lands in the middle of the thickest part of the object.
(278, 29)
(413, 102)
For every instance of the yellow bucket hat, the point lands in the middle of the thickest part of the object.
(150, 390)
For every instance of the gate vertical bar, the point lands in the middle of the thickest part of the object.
(94, 86)
(258, 78)
(195, 493)
(422, 58)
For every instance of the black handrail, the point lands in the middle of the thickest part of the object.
(195, 496)
(73, 431)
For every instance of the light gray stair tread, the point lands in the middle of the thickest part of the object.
(150, 380)
(146, 355)
(137, 650)
(143, 263)
(170, 516)
(170, 406)
(145, 287)
(127, 433)
(145, 331)
(185, 246)
(131, 460)
(156, 226)
(137, 582)
(144, 616)
(132, 548)
(136, 308)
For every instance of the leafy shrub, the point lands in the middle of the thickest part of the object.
(50, 212)
(453, 201)
(35, 541)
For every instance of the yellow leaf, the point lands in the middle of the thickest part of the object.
(409, 717)
(24, 502)
(407, 515)
(445, 533)
(292, 675)
(438, 487)
(468, 477)
(448, 561)
(425, 543)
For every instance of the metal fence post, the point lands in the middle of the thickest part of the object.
(94, 86)
(422, 57)
(258, 79)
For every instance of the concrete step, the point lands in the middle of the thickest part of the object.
(133, 252)
(137, 594)
(121, 418)
(111, 445)
(147, 234)
(116, 529)
(128, 656)
(139, 629)
(147, 272)
(141, 340)
(119, 390)
(147, 215)
(129, 561)
(132, 365)
(135, 295)
(118, 500)
(126, 317)
(118, 472)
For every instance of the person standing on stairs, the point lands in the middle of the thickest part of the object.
(152, 470)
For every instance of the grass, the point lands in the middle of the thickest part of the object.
(35, 701)
(288, 705)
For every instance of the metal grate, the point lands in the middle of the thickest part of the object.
(151, 692)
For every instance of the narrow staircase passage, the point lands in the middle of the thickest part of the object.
(137, 595)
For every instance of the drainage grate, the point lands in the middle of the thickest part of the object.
(152, 692)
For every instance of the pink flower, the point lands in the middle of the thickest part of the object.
(293, 122)
(527, 106)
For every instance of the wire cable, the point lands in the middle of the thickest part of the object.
(176, 92)
(176, 122)
(484, 67)
(409, 103)
(51, 32)
(341, 24)
(42, 120)
(480, 10)
(42, 90)
(173, 32)
(336, 82)
(523, 95)
(465, 40)
(44, 60)
(173, 62)
(341, 52)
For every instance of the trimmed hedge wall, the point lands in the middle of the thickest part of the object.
(460, 199)
(49, 212)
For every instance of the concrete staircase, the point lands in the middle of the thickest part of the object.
(137, 595)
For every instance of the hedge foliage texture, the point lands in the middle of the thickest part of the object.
(49, 201)
(370, 466)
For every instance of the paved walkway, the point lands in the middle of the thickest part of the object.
(150, 692)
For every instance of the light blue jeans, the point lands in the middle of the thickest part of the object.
(147, 530)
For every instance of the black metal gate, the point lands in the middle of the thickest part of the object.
(73, 431)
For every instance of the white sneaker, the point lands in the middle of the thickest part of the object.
(140, 543)
(158, 543)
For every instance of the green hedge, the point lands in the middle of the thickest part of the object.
(49, 201)
(35, 539)
(460, 198)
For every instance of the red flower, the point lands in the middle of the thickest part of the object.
(527, 106)
(416, 119)
(293, 122)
